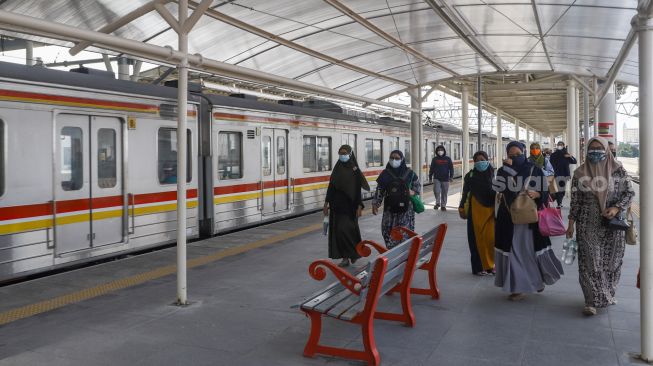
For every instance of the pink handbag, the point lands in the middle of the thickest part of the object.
(550, 221)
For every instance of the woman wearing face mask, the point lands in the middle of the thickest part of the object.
(524, 259)
(344, 206)
(394, 187)
(479, 196)
(540, 160)
(600, 190)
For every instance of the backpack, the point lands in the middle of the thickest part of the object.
(397, 196)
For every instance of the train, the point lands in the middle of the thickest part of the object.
(88, 164)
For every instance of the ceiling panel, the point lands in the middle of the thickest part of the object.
(500, 19)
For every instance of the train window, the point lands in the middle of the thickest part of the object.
(435, 146)
(374, 152)
(167, 155)
(267, 157)
(317, 154)
(2, 158)
(349, 139)
(106, 158)
(456, 151)
(230, 162)
(407, 151)
(394, 143)
(281, 155)
(72, 159)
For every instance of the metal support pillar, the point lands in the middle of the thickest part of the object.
(182, 110)
(123, 68)
(645, 30)
(465, 139)
(107, 63)
(516, 130)
(608, 116)
(415, 132)
(498, 155)
(586, 115)
(552, 141)
(572, 118)
(29, 53)
(479, 114)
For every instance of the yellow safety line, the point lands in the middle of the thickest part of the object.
(89, 293)
(634, 208)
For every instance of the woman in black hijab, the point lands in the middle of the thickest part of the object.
(344, 206)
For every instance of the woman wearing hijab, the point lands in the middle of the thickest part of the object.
(344, 206)
(479, 196)
(541, 161)
(524, 259)
(397, 210)
(600, 190)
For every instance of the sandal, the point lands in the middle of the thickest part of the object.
(516, 297)
(589, 310)
(481, 273)
(344, 262)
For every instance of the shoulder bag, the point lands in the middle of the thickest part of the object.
(631, 233)
(523, 209)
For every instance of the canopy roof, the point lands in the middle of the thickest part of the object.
(375, 48)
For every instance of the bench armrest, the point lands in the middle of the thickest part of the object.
(363, 249)
(398, 232)
(318, 272)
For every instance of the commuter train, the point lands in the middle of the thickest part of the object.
(88, 164)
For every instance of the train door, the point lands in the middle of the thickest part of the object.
(274, 170)
(88, 182)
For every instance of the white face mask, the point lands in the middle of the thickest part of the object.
(440, 153)
(395, 163)
(560, 147)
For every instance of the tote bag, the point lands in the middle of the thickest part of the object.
(550, 221)
(553, 186)
(631, 233)
(523, 209)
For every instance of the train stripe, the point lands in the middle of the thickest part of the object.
(74, 101)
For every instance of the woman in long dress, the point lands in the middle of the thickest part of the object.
(395, 173)
(600, 190)
(344, 206)
(524, 260)
(479, 197)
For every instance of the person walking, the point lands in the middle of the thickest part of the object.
(560, 160)
(395, 185)
(600, 191)
(441, 173)
(524, 260)
(540, 160)
(477, 206)
(344, 206)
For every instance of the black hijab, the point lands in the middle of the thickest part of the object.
(346, 177)
(385, 178)
(480, 182)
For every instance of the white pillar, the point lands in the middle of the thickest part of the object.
(123, 68)
(645, 189)
(465, 142)
(29, 53)
(552, 142)
(516, 130)
(608, 116)
(596, 122)
(182, 109)
(586, 116)
(572, 115)
(415, 132)
(498, 156)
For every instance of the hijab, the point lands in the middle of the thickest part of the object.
(539, 159)
(345, 177)
(480, 183)
(386, 177)
(604, 168)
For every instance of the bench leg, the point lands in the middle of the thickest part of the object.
(406, 316)
(433, 289)
(372, 354)
(316, 330)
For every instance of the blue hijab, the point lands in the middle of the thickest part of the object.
(385, 177)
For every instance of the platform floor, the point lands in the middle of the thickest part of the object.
(242, 287)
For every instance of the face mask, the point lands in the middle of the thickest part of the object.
(536, 152)
(560, 147)
(595, 156)
(482, 165)
(440, 153)
(344, 158)
(395, 163)
(518, 160)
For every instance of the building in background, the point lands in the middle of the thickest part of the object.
(631, 135)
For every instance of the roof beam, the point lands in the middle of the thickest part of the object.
(381, 33)
(119, 23)
(460, 27)
(539, 29)
(426, 95)
(296, 46)
(526, 86)
(167, 55)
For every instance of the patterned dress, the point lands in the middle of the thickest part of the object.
(390, 220)
(600, 250)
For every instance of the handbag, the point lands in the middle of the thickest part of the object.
(553, 185)
(550, 221)
(631, 233)
(468, 201)
(523, 209)
(618, 223)
(418, 205)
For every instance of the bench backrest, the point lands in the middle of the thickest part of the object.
(433, 237)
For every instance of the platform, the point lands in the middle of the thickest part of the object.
(242, 286)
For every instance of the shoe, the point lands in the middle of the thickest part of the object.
(481, 273)
(516, 297)
(589, 310)
(436, 206)
(541, 290)
(353, 260)
(344, 262)
(613, 301)
(443, 208)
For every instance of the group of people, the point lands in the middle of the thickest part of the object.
(517, 254)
